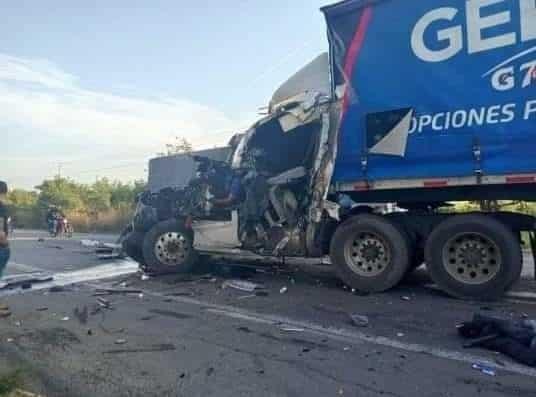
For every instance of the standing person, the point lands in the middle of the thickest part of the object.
(4, 244)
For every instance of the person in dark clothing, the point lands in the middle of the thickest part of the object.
(4, 244)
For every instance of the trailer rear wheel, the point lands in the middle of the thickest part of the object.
(370, 253)
(473, 256)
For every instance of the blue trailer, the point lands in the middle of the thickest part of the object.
(437, 104)
(436, 94)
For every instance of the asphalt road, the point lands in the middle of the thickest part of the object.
(189, 336)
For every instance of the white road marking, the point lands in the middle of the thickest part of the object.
(346, 335)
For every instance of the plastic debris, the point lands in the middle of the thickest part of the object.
(66, 318)
(485, 369)
(359, 320)
(291, 329)
(405, 298)
(145, 277)
(283, 290)
(90, 243)
(241, 285)
(10, 340)
(120, 341)
(400, 334)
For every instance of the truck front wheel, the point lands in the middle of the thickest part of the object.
(370, 253)
(168, 248)
(473, 256)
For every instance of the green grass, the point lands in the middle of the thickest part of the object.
(9, 382)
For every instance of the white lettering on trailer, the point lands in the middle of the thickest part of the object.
(454, 36)
(528, 20)
(530, 109)
(477, 27)
(467, 118)
(475, 41)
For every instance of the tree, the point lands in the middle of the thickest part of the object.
(180, 146)
(61, 192)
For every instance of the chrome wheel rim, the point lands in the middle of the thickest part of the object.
(171, 248)
(472, 258)
(367, 254)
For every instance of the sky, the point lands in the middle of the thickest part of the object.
(92, 89)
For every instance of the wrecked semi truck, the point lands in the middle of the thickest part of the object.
(420, 104)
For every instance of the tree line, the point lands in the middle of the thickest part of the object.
(100, 206)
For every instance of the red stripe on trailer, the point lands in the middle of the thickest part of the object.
(520, 179)
(362, 186)
(441, 183)
(353, 53)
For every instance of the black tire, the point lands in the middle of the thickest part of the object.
(133, 246)
(485, 269)
(168, 248)
(348, 253)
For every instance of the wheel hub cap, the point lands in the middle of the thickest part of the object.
(472, 258)
(171, 248)
(367, 254)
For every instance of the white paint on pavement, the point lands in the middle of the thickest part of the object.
(346, 335)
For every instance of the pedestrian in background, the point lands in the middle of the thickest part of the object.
(4, 244)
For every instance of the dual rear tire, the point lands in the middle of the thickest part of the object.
(469, 256)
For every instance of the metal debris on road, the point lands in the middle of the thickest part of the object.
(104, 303)
(24, 280)
(291, 329)
(246, 296)
(485, 369)
(81, 314)
(241, 285)
(90, 243)
(359, 320)
(112, 291)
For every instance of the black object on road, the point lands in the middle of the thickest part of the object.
(514, 338)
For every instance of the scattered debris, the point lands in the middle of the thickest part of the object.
(90, 243)
(241, 285)
(81, 315)
(112, 291)
(181, 293)
(512, 337)
(151, 349)
(24, 280)
(104, 303)
(359, 320)
(485, 369)
(246, 296)
(291, 329)
(57, 288)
